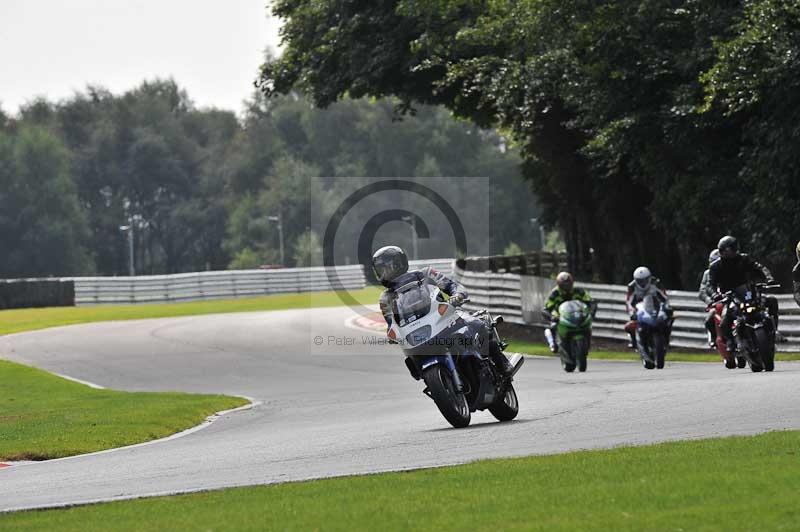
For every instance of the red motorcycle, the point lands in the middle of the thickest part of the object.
(730, 358)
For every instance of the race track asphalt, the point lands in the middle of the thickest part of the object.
(332, 410)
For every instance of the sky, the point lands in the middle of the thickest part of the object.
(53, 48)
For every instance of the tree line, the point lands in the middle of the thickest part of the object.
(648, 128)
(203, 188)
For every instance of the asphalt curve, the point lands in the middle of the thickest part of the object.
(337, 409)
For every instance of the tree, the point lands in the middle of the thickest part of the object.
(307, 250)
(755, 82)
(602, 97)
(42, 227)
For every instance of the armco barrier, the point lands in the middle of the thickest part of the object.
(519, 298)
(213, 285)
(443, 265)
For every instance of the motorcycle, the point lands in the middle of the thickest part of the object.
(728, 357)
(752, 327)
(574, 330)
(652, 329)
(451, 356)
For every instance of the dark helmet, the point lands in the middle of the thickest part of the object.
(714, 255)
(728, 247)
(389, 262)
(565, 282)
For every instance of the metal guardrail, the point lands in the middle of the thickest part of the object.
(501, 293)
(541, 263)
(443, 265)
(212, 285)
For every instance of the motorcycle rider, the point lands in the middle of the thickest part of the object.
(565, 290)
(390, 265)
(734, 269)
(796, 276)
(645, 284)
(706, 295)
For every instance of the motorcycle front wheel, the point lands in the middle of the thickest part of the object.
(450, 402)
(506, 407)
(660, 349)
(567, 354)
(581, 352)
(766, 348)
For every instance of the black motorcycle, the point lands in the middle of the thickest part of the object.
(752, 326)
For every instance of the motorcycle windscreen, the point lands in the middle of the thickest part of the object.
(411, 305)
(647, 311)
(573, 312)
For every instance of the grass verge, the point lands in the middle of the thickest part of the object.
(532, 348)
(13, 321)
(44, 416)
(741, 483)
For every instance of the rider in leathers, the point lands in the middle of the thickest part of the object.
(391, 268)
(645, 284)
(734, 269)
(706, 295)
(565, 290)
(796, 276)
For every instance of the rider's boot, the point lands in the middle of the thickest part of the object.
(551, 340)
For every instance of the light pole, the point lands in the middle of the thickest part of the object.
(541, 233)
(280, 233)
(129, 229)
(412, 221)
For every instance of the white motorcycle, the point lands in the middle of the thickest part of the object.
(450, 354)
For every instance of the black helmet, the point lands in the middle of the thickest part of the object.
(728, 247)
(388, 263)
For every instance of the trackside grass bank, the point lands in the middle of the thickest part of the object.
(742, 483)
(44, 416)
(531, 348)
(12, 321)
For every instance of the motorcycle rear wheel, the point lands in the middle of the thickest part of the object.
(451, 403)
(506, 408)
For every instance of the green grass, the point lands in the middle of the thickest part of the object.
(743, 483)
(13, 321)
(531, 348)
(44, 416)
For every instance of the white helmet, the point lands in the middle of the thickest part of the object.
(642, 276)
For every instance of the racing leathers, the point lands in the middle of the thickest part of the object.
(637, 294)
(554, 300)
(706, 295)
(457, 295)
(796, 282)
(727, 274)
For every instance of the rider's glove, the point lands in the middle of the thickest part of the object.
(457, 299)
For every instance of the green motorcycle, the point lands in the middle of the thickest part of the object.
(574, 331)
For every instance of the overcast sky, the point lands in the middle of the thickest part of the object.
(212, 48)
